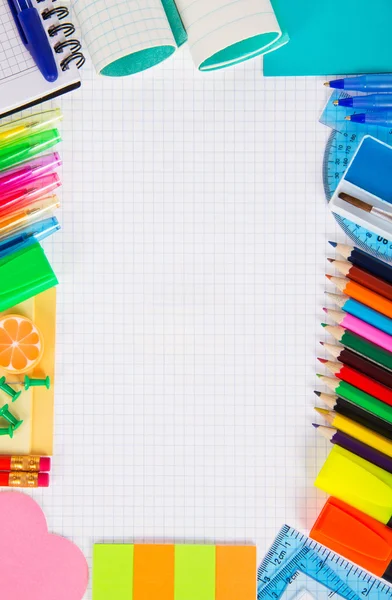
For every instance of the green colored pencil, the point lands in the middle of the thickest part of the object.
(358, 398)
(360, 345)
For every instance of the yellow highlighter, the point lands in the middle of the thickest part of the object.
(357, 431)
(29, 125)
(357, 482)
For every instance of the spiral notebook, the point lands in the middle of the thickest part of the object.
(21, 82)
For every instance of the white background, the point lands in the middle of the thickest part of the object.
(191, 264)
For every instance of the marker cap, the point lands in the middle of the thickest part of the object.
(356, 536)
(357, 482)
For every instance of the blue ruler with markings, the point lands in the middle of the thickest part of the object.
(341, 147)
(298, 568)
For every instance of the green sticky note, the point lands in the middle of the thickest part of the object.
(332, 37)
(194, 572)
(113, 572)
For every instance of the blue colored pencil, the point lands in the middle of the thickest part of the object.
(359, 310)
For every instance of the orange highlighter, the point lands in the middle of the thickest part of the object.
(356, 536)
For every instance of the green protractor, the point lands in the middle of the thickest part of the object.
(341, 147)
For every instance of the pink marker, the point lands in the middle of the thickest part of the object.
(370, 333)
(23, 196)
(26, 172)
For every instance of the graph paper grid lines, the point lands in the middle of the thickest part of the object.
(191, 264)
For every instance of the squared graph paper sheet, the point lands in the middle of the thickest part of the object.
(191, 264)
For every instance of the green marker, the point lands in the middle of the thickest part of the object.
(8, 389)
(25, 148)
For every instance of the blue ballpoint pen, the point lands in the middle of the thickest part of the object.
(30, 235)
(363, 83)
(369, 102)
(382, 119)
(34, 37)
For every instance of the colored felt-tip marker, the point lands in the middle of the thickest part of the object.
(365, 313)
(33, 35)
(370, 102)
(358, 448)
(381, 119)
(29, 125)
(25, 173)
(357, 482)
(359, 380)
(35, 464)
(23, 479)
(363, 83)
(36, 211)
(363, 260)
(24, 149)
(356, 536)
(360, 345)
(28, 236)
(21, 197)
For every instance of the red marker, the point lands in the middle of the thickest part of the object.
(356, 536)
(358, 380)
(22, 479)
(25, 463)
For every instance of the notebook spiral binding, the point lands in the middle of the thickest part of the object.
(71, 46)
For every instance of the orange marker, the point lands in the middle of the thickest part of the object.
(362, 294)
(356, 536)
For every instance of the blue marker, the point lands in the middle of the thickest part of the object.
(370, 102)
(30, 235)
(363, 83)
(34, 37)
(382, 119)
(359, 310)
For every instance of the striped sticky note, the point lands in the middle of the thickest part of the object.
(174, 572)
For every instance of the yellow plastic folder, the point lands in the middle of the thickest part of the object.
(36, 405)
(173, 572)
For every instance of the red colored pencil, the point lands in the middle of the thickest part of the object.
(22, 479)
(360, 381)
(25, 463)
(363, 277)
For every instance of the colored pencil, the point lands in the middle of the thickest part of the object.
(361, 328)
(347, 390)
(366, 261)
(25, 463)
(359, 310)
(359, 432)
(373, 420)
(360, 345)
(371, 282)
(362, 294)
(362, 382)
(355, 446)
(356, 361)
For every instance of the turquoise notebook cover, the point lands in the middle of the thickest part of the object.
(333, 37)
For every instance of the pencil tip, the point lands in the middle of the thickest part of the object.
(331, 260)
(348, 118)
(322, 343)
(315, 425)
(319, 375)
(324, 324)
(326, 84)
(325, 309)
(317, 393)
(328, 276)
(333, 244)
(322, 360)
(336, 102)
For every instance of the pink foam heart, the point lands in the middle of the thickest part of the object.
(35, 564)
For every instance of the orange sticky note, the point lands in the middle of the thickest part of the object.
(235, 573)
(153, 568)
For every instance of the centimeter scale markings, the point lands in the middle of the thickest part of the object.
(341, 147)
(293, 553)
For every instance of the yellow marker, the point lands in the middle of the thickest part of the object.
(359, 432)
(28, 125)
(357, 482)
